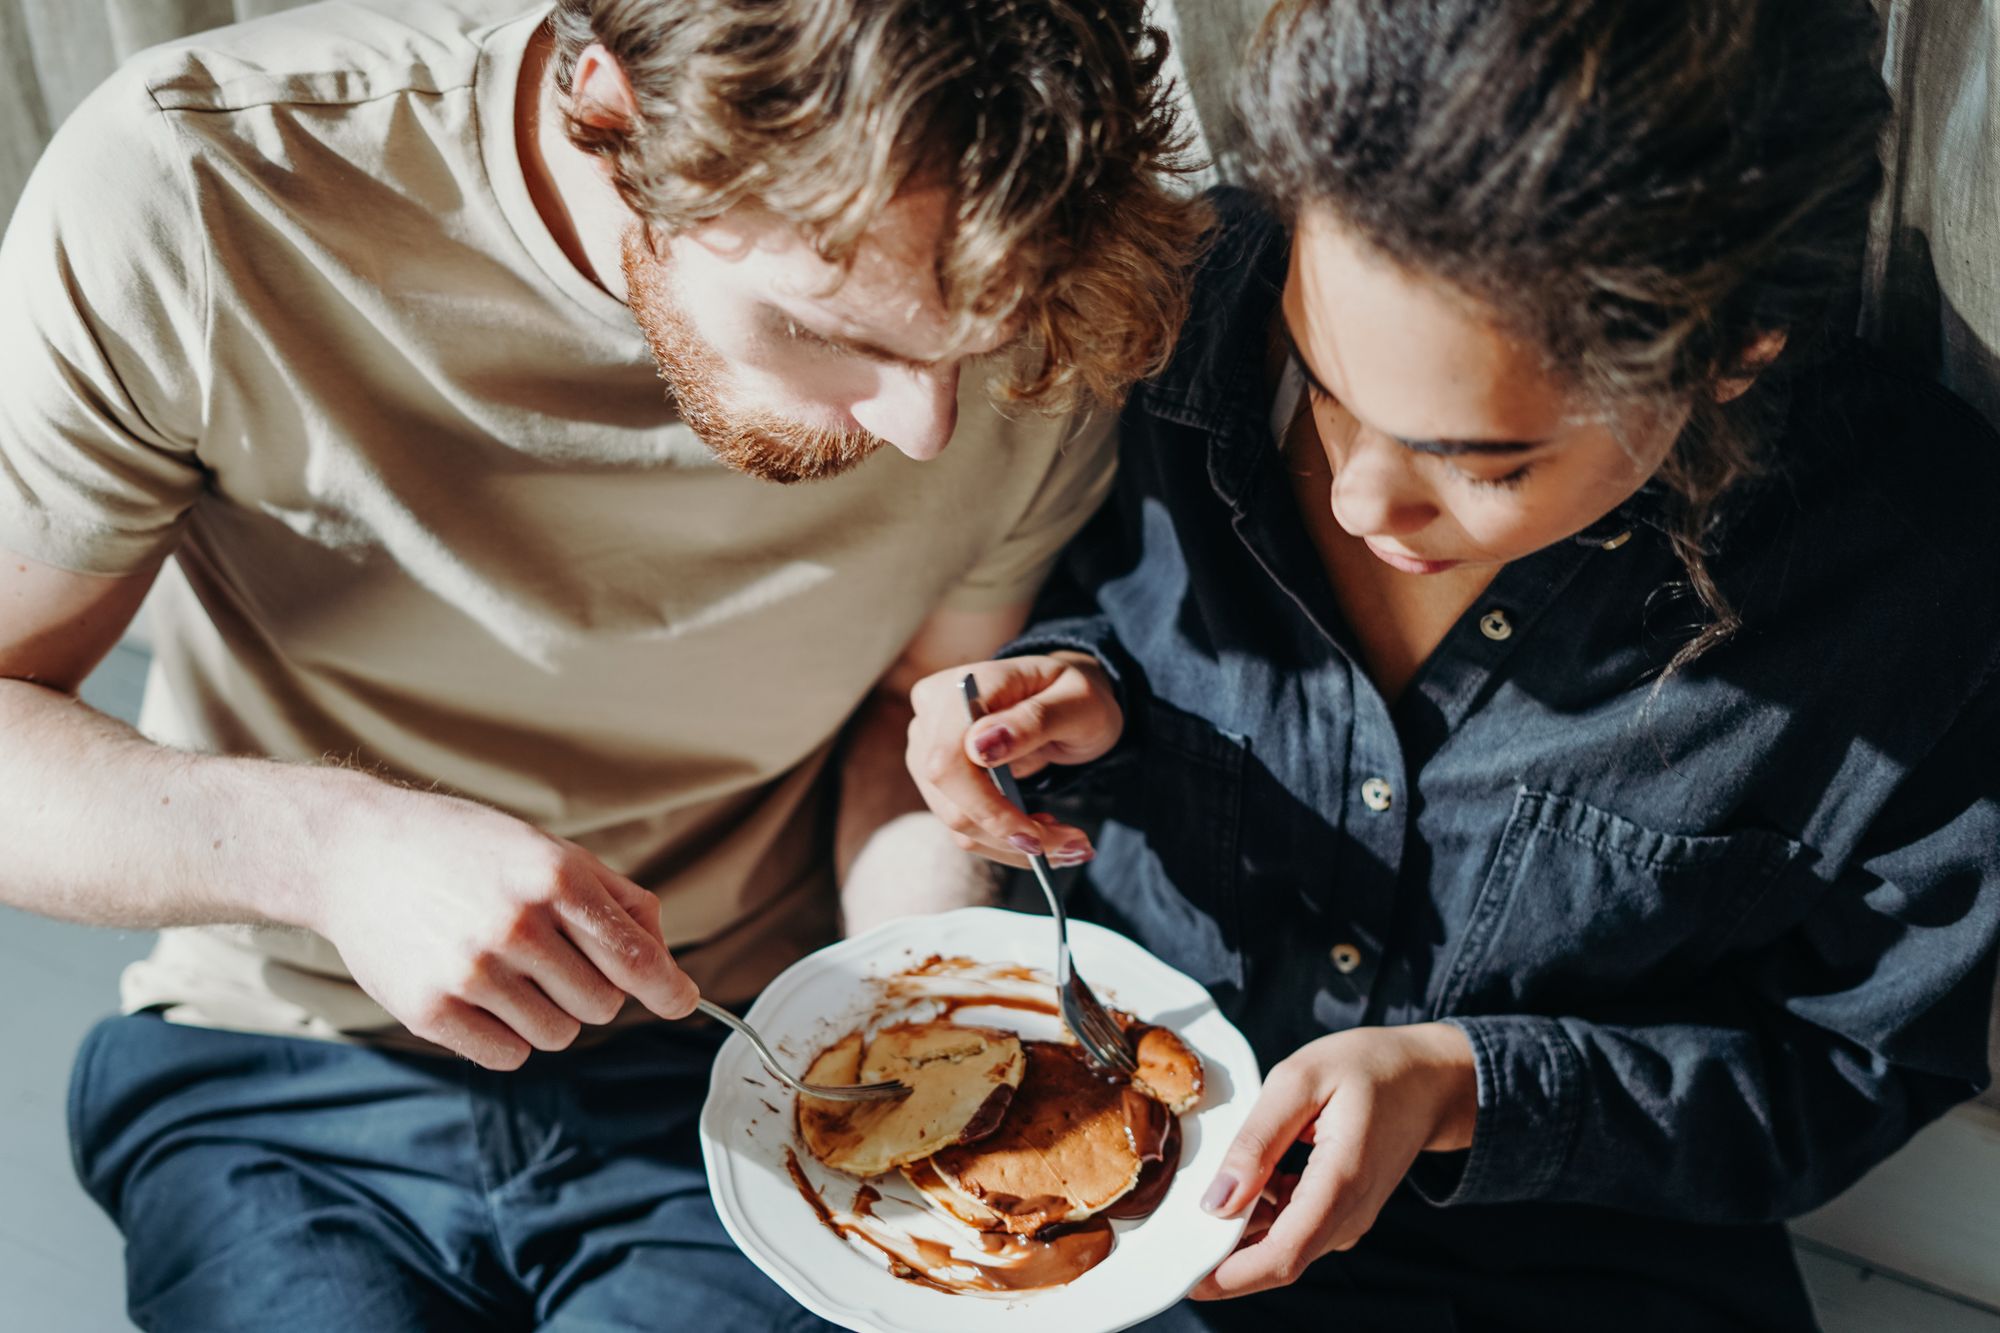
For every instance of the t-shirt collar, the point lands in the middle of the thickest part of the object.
(502, 50)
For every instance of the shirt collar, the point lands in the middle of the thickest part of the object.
(1216, 380)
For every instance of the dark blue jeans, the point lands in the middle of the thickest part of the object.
(268, 1183)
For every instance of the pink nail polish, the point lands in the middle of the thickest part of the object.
(1218, 1194)
(1024, 844)
(994, 744)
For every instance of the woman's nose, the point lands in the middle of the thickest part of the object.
(1377, 490)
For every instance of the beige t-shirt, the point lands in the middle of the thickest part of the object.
(277, 301)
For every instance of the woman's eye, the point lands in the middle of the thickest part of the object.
(1510, 481)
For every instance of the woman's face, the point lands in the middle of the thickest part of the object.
(1449, 443)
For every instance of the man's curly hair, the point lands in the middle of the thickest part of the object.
(1048, 121)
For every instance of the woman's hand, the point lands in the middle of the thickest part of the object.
(1058, 709)
(1368, 1100)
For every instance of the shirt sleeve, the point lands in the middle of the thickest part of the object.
(101, 337)
(1785, 1081)
(1078, 479)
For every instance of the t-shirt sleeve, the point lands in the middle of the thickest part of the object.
(102, 328)
(1078, 479)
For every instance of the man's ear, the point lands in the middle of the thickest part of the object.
(600, 94)
(1757, 358)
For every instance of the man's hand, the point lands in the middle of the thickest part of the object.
(1368, 1100)
(1058, 709)
(482, 933)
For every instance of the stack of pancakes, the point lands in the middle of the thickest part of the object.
(1004, 1135)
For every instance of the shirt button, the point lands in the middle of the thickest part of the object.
(1613, 543)
(1346, 957)
(1377, 794)
(1495, 626)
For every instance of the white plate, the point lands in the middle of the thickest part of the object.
(747, 1125)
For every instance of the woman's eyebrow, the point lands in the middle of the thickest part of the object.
(1439, 448)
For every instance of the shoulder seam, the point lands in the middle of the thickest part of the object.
(185, 172)
(227, 106)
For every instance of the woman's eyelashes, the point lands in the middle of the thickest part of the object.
(1508, 482)
(1322, 396)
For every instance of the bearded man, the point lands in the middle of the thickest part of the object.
(501, 701)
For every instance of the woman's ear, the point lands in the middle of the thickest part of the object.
(600, 94)
(1756, 359)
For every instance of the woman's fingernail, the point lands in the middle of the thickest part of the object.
(1218, 1194)
(1063, 860)
(1026, 845)
(992, 744)
(1077, 847)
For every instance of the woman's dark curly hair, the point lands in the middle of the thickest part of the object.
(1049, 121)
(1642, 190)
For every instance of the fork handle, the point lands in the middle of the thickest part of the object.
(1003, 778)
(764, 1055)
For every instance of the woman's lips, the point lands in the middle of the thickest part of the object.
(1409, 564)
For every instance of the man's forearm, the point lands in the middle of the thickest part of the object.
(104, 827)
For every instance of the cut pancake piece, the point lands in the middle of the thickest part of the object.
(923, 1178)
(1168, 1071)
(961, 1080)
(1064, 1151)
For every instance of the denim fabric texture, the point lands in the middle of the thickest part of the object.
(1720, 942)
(267, 1183)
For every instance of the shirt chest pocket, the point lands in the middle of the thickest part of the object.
(1581, 906)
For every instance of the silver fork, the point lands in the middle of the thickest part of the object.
(854, 1092)
(1100, 1035)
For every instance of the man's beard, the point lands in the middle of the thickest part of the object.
(761, 443)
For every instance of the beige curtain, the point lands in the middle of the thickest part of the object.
(53, 52)
(1933, 288)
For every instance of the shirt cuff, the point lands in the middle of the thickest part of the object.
(1530, 1103)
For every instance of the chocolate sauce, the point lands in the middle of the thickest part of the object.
(811, 1195)
(1023, 1263)
(989, 1115)
(1155, 1176)
(951, 1004)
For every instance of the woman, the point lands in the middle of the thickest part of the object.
(1567, 748)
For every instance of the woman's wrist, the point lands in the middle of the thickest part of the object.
(1447, 1059)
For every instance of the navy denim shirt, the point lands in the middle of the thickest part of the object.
(1718, 948)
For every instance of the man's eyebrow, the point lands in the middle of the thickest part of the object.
(1439, 448)
(779, 318)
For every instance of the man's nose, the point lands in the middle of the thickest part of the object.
(915, 410)
(1377, 491)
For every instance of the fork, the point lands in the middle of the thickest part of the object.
(1102, 1037)
(853, 1092)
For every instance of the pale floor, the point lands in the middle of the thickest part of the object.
(59, 1256)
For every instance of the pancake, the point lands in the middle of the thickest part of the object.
(924, 1179)
(961, 1081)
(1168, 1071)
(1063, 1152)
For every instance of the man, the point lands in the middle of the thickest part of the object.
(501, 701)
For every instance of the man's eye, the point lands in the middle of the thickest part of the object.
(796, 332)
